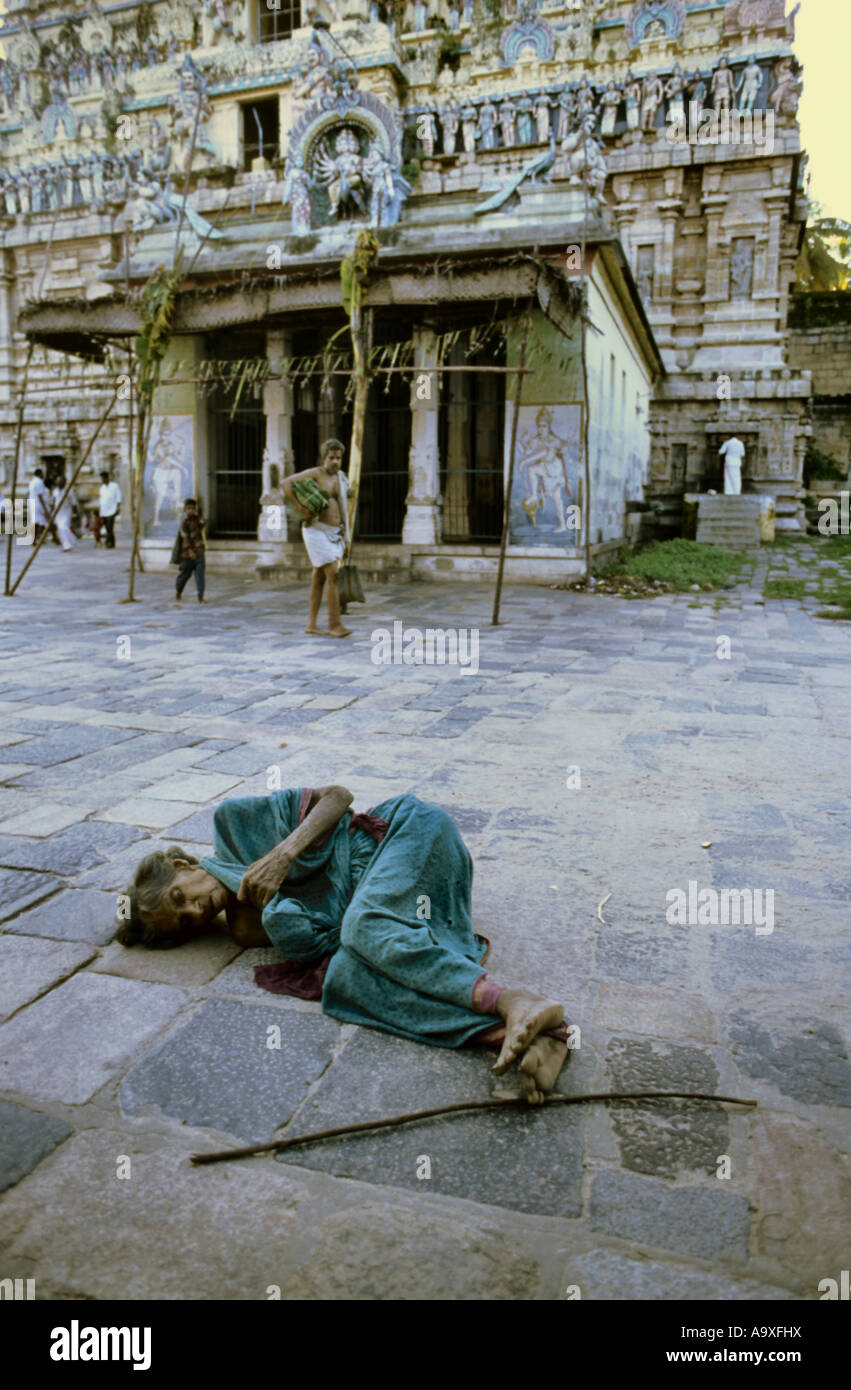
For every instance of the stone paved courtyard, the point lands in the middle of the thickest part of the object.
(604, 750)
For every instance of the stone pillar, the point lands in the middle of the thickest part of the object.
(421, 504)
(7, 330)
(278, 453)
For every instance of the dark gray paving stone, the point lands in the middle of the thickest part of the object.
(73, 741)
(525, 1159)
(743, 961)
(69, 851)
(20, 890)
(666, 1139)
(688, 1220)
(217, 1071)
(77, 914)
(805, 1059)
(26, 1137)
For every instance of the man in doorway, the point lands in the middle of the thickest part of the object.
(320, 496)
(192, 550)
(110, 506)
(734, 451)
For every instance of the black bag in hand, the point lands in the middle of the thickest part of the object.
(349, 585)
(175, 551)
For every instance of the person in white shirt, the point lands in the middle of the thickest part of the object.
(39, 502)
(110, 506)
(63, 516)
(734, 451)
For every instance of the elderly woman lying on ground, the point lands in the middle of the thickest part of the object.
(371, 912)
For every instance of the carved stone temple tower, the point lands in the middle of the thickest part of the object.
(486, 144)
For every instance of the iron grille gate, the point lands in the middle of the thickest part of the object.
(471, 427)
(236, 473)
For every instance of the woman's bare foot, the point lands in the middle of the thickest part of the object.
(526, 1015)
(339, 632)
(539, 1067)
(316, 632)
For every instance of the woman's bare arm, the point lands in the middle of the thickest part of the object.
(262, 880)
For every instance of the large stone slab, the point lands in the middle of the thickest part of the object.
(29, 966)
(659, 1013)
(609, 1275)
(148, 812)
(169, 1231)
(70, 851)
(189, 786)
(66, 1046)
(803, 1182)
(78, 914)
(45, 820)
(20, 890)
(803, 1057)
(378, 1075)
(687, 1220)
(385, 1252)
(187, 966)
(218, 1069)
(25, 1139)
(72, 740)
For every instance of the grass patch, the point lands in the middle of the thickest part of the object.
(784, 588)
(679, 563)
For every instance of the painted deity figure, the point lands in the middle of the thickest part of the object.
(159, 149)
(488, 117)
(584, 99)
(189, 111)
(723, 88)
(314, 78)
(750, 85)
(420, 16)
(296, 192)
(544, 459)
(610, 101)
(449, 121)
(427, 132)
(542, 118)
(566, 108)
(674, 88)
(784, 96)
(469, 128)
(342, 172)
(507, 113)
(652, 93)
(632, 96)
(525, 122)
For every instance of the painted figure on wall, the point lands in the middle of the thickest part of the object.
(168, 472)
(547, 453)
(610, 101)
(632, 97)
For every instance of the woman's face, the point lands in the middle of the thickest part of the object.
(190, 903)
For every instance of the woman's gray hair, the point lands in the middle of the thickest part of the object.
(138, 905)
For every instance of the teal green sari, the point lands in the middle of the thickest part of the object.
(394, 916)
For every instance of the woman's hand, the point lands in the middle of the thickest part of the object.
(261, 880)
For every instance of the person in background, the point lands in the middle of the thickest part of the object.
(63, 514)
(110, 506)
(191, 549)
(39, 502)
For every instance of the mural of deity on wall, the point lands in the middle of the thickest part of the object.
(169, 473)
(546, 475)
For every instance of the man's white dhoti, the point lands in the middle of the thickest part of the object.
(324, 544)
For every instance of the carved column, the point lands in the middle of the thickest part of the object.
(421, 514)
(717, 283)
(278, 453)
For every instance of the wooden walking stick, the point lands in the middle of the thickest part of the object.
(515, 413)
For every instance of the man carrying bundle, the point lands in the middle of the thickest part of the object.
(320, 495)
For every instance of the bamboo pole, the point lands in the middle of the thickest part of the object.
(583, 355)
(18, 431)
(518, 393)
(57, 506)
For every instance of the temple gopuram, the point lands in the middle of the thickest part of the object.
(599, 204)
